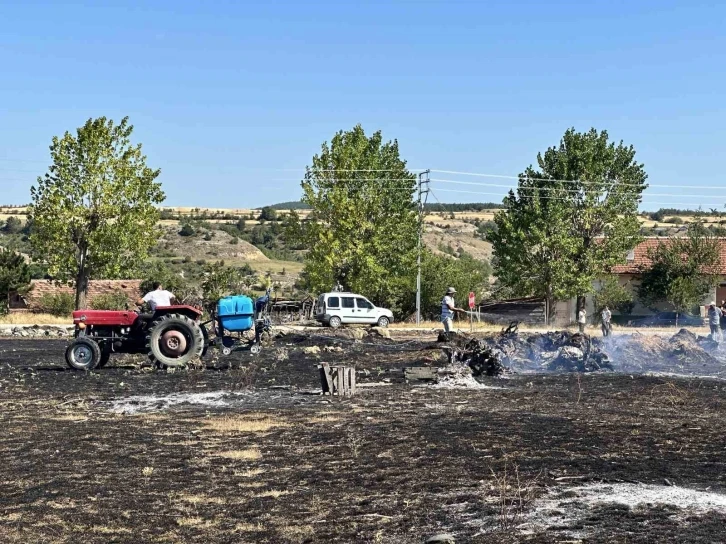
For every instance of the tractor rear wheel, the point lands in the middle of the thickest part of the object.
(174, 340)
(83, 354)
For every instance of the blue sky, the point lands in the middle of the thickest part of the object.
(232, 99)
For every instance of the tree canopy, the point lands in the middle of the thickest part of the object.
(94, 211)
(362, 231)
(682, 270)
(14, 275)
(571, 219)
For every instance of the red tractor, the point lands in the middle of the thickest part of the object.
(171, 336)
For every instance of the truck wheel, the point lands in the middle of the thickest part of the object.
(174, 340)
(83, 354)
(383, 322)
(335, 322)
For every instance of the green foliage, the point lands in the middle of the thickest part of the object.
(221, 281)
(674, 220)
(683, 270)
(13, 225)
(483, 229)
(118, 300)
(14, 276)
(58, 304)
(241, 224)
(613, 295)
(571, 220)
(439, 272)
(362, 230)
(268, 214)
(159, 272)
(294, 205)
(94, 213)
(187, 229)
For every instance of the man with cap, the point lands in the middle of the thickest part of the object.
(448, 307)
(714, 321)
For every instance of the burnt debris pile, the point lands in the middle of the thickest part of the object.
(564, 351)
(683, 353)
(511, 351)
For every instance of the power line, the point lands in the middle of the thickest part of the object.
(559, 189)
(585, 182)
(604, 182)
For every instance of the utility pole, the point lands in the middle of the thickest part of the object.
(423, 189)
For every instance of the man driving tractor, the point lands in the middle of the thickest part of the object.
(159, 297)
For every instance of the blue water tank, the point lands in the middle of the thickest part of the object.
(236, 314)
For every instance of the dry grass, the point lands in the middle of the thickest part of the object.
(250, 454)
(201, 499)
(35, 319)
(248, 527)
(272, 494)
(325, 418)
(195, 522)
(254, 423)
(249, 473)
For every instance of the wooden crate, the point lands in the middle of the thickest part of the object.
(337, 380)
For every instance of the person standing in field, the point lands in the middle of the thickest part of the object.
(582, 319)
(714, 321)
(606, 317)
(448, 309)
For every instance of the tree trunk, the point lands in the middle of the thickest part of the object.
(81, 290)
(82, 281)
(550, 305)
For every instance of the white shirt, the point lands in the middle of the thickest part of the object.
(606, 316)
(582, 317)
(446, 312)
(158, 298)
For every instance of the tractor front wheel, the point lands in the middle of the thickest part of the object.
(175, 340)
(83, 354)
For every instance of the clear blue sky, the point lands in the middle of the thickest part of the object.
(223, 94)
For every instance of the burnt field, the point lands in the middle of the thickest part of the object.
(243, 449)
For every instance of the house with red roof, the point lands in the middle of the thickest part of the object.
(637, 259)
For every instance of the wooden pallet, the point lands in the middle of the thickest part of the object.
(337, 380)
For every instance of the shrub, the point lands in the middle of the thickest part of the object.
(118, 300)
(674, 221)
(187, 259)
(13, 225)
(59, 304)
(187, 230)
(234, 241)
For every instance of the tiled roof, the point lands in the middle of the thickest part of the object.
(39, 288)
(640, 258)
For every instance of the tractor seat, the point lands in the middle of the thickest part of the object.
(146, 317)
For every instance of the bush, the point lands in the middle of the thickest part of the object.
(268, 214)
(118, 300)
(59, 304)
(234, 241)
(208, 237)
(13, 225)
(674, 220)
(187, 230)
